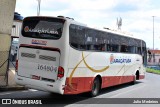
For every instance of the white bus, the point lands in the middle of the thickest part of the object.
(60, 55)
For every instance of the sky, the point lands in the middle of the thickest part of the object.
(137, 15)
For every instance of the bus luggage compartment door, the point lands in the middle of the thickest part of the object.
(38, 64)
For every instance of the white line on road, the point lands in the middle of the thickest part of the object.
(25, 91)
(19, 91)
(127, 91)
(32, 90)
(5, 93)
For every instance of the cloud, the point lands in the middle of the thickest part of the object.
(136, 14)
(92, 4)
(27, 7)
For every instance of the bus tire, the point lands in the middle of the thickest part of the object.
(134, 81)
(95, 87)
(136, 77)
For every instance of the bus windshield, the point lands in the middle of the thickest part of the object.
(43, 28)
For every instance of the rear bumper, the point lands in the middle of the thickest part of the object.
(141, 76)
(55, 87)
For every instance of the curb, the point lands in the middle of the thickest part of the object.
(12, 88)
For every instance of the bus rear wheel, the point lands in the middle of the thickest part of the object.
(95, 87)
(136, 77)
(134, 80)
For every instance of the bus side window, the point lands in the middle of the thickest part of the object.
(103, 47)
(108, 47)
(111, 48)
(114, 48)
(123, 48)
(139, 50)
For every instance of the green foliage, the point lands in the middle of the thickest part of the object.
(153, 71)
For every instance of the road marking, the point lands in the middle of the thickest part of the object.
(126, 91)
(5, 93)
(25, 91)
(19, 91)
(32, 90)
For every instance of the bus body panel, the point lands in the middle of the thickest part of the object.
(80, 66)
(80, 77)
(55, 87)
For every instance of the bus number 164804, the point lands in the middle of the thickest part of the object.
(47, 68)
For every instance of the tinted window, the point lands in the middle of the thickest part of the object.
(124, 48)
(77, 36)
(131, 49)
(45, 28)
(144, 53)
(84, 38)
(95, 40)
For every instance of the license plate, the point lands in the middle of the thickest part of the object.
(47, 68)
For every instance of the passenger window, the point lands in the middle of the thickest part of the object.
(114, 48)
(124, 48)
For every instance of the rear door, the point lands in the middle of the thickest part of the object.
(40, 63)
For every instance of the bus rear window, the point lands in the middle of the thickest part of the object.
(43, 28)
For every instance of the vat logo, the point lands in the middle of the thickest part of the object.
(26, 29)
(41, 30)
(111, 59)
(119, 60)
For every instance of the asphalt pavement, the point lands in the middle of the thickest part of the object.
(116, 96)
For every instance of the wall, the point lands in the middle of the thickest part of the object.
(7, 8)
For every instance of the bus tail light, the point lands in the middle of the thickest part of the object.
(16, 66)
(60, 72)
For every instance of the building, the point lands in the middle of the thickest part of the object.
(16, 31)
(17, 23)
(153, 57)
(7, 8)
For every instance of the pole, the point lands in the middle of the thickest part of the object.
(38, 7)
(153, 32)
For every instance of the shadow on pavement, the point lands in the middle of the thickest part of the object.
(117, 87)
(63, 100)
